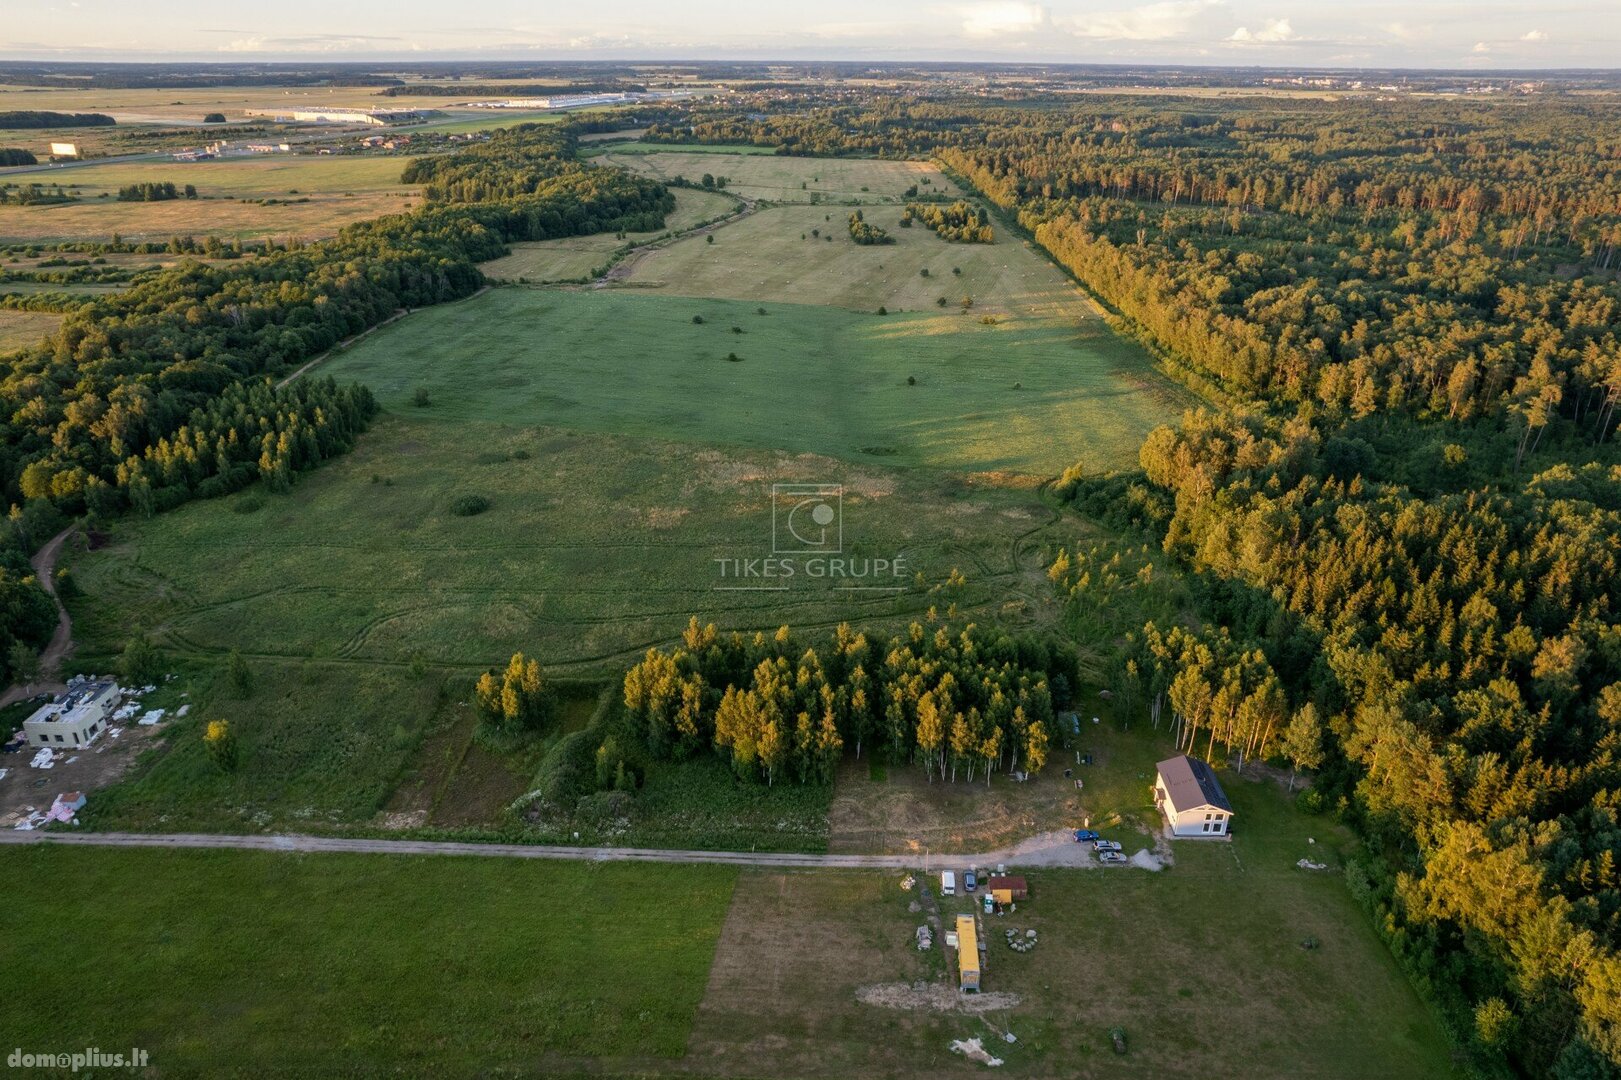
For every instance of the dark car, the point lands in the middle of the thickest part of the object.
(1083, 835)
(969, 882)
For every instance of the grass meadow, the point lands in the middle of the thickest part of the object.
(775, 254)
(22, 329)
(1031, 396)
(575, 257)
(761, 173)
(247, 963)
(594, 548)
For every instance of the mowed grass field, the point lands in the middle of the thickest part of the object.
(315, 196)
(22, 329)
(575, 257)
(249, 963)
(761, 173)
(1031, 396)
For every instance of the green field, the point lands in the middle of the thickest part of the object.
(594, 548)
(775, 254)
(575, 257)
(1030, 396)
(248, 963)
(761, 173)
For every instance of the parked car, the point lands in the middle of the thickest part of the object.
(969, 882)
(1107, 845)
(1083, 835)
(1111, 856)
(948, 883)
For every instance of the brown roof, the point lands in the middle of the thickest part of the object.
(1009, 882)
(1191, 783)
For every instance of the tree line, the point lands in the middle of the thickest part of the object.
(956, 702)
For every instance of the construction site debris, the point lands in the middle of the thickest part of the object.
(974, 1050)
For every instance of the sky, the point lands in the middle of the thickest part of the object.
(1483, 34)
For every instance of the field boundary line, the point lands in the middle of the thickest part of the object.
(348, 341)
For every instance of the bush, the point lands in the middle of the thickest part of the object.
(214, 118)
(241, 675)
(1310, 801)
(220, 742)
(138, 663)
(469, 505)
(421, 399)
(697, 320)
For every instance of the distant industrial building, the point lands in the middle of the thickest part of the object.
(64, 149)
(370, 117)
(580, 101)
(76, 717)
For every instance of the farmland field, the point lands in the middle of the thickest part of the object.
(216, 963)
(21, 329)
(314, 197)
(1030, 396)
(577, 256)
(759, 173)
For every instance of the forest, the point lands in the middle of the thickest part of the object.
(1399, 533)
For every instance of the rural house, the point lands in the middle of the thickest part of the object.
(1188, 794)
(76, 717)
(1006, 889)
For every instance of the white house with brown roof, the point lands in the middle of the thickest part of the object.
(1189, 795)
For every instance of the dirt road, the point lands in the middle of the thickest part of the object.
(61, 643)
(1049, 849)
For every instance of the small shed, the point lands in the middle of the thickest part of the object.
(967, 953)
(1006, 889)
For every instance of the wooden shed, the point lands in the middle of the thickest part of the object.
(1005, 890)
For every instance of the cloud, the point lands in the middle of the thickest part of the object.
(309, 43)
(1273, 30)
(1000, 19)
(1481, 48)
(1153, 22)
(1534, 36)
(1403, 32)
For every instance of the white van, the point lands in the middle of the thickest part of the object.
(948, 883)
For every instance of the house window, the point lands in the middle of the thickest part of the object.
(59, 738)
(1206, 827)
(1207, 817)
(44, 738)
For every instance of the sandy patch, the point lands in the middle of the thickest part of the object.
(933, 997)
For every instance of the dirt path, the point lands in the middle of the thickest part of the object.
(348, 341)
(1049, 849)
(621, 269)
(61, 643)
